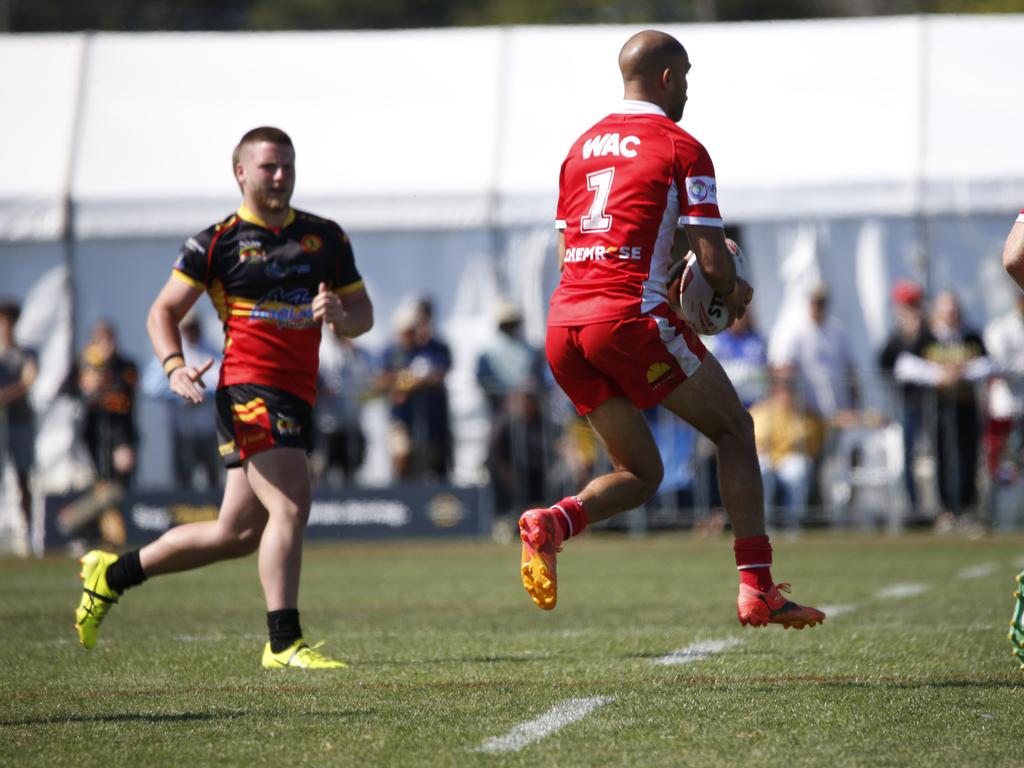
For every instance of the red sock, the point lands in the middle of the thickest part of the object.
(573, 518)
(754, 561)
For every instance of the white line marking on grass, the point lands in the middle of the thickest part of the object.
(832, 611)
(697, 651)
(903, 589)
(556, 718)
(976, 571)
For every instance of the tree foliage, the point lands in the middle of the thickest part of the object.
(186, 15)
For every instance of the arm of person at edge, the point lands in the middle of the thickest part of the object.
(174, 300)
(1013, 254)
(350, 316)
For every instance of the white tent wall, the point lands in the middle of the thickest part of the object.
(39, 94)
(392, 130)
(853, 151)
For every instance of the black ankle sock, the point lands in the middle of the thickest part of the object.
(125, 572)
(284, 628)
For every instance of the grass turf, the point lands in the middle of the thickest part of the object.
(447, 652)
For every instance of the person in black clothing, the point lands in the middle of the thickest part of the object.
(960, 352)
(107, 381)
(18, 370)
(910, 336)
(413, 371)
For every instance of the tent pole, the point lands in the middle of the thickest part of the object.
(922, 234)
(68, 235)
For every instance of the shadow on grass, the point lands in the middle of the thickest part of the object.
(179, 717)
(490, 659)
(849, 682)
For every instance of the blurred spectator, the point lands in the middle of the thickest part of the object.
(677, 443)
(911, 336)
(346, 380)
(743, 353)
(106, 381)
(952, 362)
(18, 370)
(1004, 427)
(961, 351)
(517, 457)
(820, 352)
(508, 363)
(509, 371)
(197, 462)
(575, 446)
(413, 376)
(789, 439)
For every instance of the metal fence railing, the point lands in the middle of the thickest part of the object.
(912, 457)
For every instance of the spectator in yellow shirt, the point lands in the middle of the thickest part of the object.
(789, 439)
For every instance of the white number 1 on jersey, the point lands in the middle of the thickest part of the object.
(599, 182)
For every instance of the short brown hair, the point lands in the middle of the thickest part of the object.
(11, 310)
(263, 133)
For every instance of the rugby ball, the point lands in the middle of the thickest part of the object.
(702, 308)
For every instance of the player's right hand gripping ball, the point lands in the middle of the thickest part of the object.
(702, 308)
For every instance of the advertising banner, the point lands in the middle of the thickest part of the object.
(108, 515)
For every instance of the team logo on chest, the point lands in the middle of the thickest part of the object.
(311, 243)
(251, 250)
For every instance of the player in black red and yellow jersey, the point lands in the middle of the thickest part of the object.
(277, 276)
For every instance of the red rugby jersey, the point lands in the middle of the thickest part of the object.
(625, 186)
(262, 281)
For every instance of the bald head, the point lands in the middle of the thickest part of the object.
(654, 66)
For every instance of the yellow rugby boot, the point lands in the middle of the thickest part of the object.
(301, 655)
(1016, 635)
(97, 597)
(542, 541)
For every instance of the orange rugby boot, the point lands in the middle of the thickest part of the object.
(759, 609)
(542, 541)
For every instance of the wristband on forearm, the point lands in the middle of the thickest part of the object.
(173, 362)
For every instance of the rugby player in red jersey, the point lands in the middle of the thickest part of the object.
(615, 344)
(276, 276)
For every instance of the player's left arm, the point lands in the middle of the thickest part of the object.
(718, 267)
(347, 311)
(1013, 252)
(341, 299)
(560, 217)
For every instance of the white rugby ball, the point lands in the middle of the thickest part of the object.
(702, 308)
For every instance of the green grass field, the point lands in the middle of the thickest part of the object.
(448, 656)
